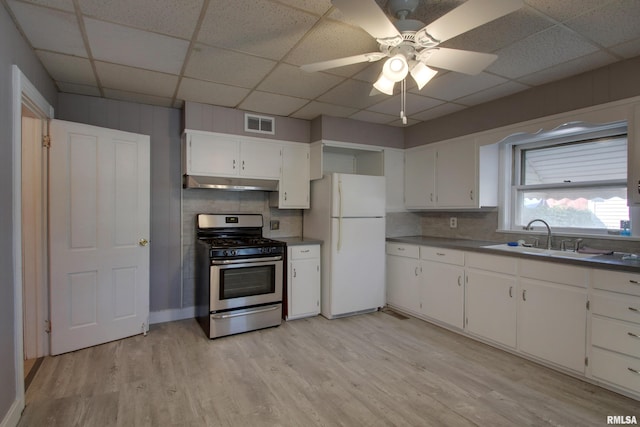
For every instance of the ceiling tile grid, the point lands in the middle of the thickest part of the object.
(247, 53)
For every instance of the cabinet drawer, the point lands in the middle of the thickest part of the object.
(616, 368)
(615, 335)
(448, 256)
(554, 272)
(304, 251)
(401, 249)
(495, 263)
(617, 281)
(622, 307)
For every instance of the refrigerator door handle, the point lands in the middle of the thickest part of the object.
(339, 214)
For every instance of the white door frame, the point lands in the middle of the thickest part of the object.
(23, 90)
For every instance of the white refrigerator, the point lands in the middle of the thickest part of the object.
(347, 214)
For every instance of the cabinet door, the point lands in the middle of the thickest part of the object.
(304, 287)
(552, 322)
(419, 178)
(294, 181)
(260, 159)
(491, 306)
(456, 174)
(403, 283)
(443, 292)
(212, 156)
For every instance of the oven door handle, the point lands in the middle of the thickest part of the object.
(244, 313)
(246, 260)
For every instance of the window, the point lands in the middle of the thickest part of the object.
(574, 178)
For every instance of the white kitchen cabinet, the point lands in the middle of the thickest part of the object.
(303, 281)
(394, 177)
(442, 290)
(293, 191)
(403, 277)
(552, 316)
(345, 157)
(209, 154)
(455, 174)
(490, 297)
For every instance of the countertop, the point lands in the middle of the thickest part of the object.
(609, 262)
(298, 241)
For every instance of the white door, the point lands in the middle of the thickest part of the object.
(99, 224)
(305, 287)
(420, 178)
(358, 195)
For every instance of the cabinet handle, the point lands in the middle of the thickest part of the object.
(243, 165)
(638, 186)
(440, 254)
(510, 291)
(471, 194)
(524, 295)
(633, 309)
(635, 371)
(635, 282)
(416, 271)
(285, 195)
(431, 194)
(304, 251)
(401, 249)
(631, 334)
(294, 272)
(234, 163)
(459, 280)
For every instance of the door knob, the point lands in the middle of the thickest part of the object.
(143, 242)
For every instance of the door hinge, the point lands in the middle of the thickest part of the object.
(47, 326)
(588, 304)
(586, 361)
(46, 141)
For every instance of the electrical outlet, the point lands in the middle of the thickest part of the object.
(453, 222)
(274, 224)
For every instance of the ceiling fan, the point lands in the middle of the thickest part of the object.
(410, 46)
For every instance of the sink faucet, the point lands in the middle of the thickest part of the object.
(528, 227)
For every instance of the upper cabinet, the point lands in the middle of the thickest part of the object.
(454, 174)
(294, 180)
(229, 156)
(344, 157)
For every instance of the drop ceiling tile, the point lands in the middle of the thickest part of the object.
(259, 27)
(332, 40)
(170, 17)
(269, 103)
(373, 117)
(141, 49)
(315, 109)
(317, 7)
(224, 66)
(291, 80)
(69, 69)
(78, 89)
(627, 50)
(370, 73)
(211, 93)
(66, 5)
(506, 89)
(49, 29)
(452, 86)
(569, 68)
(128, 79)
(415, 103)
(439, 111)
(614, 23)
(352, 93)
(566, 9)
(540, 51)
(137, 97)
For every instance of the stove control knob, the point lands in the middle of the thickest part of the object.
(233, 252)
(225, 253)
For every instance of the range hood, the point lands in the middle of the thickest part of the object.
(230, 184)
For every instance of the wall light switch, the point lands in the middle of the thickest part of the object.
(453, 222)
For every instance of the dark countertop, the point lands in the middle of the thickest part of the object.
(608, 262)
(298, 241)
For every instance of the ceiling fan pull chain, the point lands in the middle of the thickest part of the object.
(403, 100)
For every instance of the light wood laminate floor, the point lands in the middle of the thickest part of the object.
(367, 370)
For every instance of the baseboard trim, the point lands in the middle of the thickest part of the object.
(171, 315)
(12, 417)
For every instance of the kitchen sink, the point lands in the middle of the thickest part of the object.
(540, 251)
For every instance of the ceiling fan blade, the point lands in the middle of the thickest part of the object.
(368, 15)
(341, 62)
(470, 15)
(462, 61)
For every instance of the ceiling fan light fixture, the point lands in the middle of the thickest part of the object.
(384, 85)
(422, 74)
(395, 68)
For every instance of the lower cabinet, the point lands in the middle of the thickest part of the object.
(403, 277)
(443, 277)
(303, 284)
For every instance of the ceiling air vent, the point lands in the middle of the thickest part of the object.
(259, 124)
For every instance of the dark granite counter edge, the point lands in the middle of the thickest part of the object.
(607, 262)
(298, 241)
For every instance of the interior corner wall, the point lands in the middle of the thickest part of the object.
(607, 84)
(163, 125)
(13, 50)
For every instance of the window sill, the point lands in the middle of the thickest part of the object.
(573, 235)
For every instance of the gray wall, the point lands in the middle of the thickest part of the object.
(163, 125)
(348, 130)
(13, 50)
(606, 84)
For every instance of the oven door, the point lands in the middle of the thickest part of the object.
(247, 282)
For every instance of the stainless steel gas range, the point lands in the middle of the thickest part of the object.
(239, 275)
